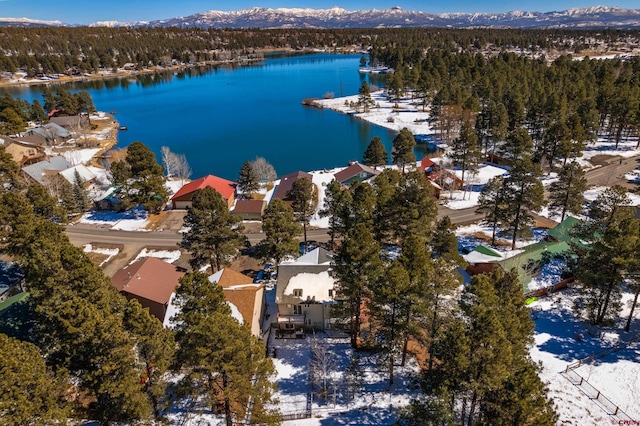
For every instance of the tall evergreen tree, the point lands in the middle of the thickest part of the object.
(602, 269)
(414, 209)
(280, 229)
(219, 357)
(248, 180)
(444, 243)
(389, 305)
(80, 195)
(375, 155)
(301, 196)
(566, 195)
(337, 207)
(524, 196)
(78, 314)
(214, 234)
(30, 393)
(402, 153)
(364, 97)
(357, 266)
(155, 346)
(465, 151)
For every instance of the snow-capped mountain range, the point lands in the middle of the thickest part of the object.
(336, 17)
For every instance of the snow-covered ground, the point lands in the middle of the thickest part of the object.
(370, 402)
(135, 219)
(169, 256)
(561, 339)
(109, 252)
(408, 114)
(80, 156)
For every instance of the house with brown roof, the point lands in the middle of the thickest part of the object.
(286, 182)
(72, 122)
(151, 281)
(355, 172)
(246, 298)
(249, 209)
(183, 198)
(23, 153)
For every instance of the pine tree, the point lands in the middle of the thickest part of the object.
(280, 229)
(363, 204)
(465, 151)
(155, 345)
(301, 196)
(601, 270)
(219, 357)
(356, 266)
(30, 393)
(385, 186)
(413, 207)
(444, 243)
(524, 194)
(337, 207)
(389, 308)
(214, 234)
(78, 315)
(80, 196)
(44, 205)
(148, 186)
(375, 155)
(248, 180)
(566, 195)
(364, 97)
(402, 153)
(493, 204)
(416, 259)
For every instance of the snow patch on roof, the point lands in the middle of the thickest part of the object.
(315, 287)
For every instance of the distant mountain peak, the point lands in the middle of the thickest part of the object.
(337, 17)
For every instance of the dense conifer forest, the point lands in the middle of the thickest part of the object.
(89, 49)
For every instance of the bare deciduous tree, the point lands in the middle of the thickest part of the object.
(263, 170)
(168, 160)
(322, 365)
(182, 169)
(175, 165)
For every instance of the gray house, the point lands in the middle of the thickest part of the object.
(39, 172)
(305, 294)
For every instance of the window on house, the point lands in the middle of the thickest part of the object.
(308, 321)
(297, 310)
(297, 292)
(330, 292)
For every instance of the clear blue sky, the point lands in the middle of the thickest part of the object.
(88, 11)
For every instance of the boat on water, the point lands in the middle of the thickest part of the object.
(123, 128)
(375, 70)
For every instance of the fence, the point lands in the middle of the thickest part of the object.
(588, 389)
(551, 289)
(297, 416)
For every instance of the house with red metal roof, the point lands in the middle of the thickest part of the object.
(182, 199)
(149, 280)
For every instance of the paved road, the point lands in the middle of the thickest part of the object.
(133, 242)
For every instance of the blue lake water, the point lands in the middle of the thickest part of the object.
(221, 117)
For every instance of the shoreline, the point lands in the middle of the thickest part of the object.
(384, 114)
(122, 73)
